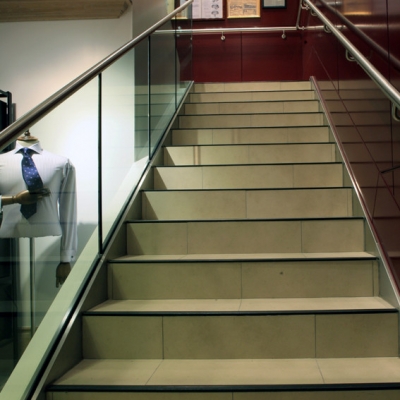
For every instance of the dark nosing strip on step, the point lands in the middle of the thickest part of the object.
(246, 165)
(258, 127)
(170, 221)
(249, 144)
(226, 388)
(247, 260)
(247, 189)
(233, 313)
(287, 113)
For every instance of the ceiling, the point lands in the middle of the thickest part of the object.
(53, 10)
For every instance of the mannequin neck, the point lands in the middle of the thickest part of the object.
(27, 143)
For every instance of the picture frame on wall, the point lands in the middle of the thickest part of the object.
(243, 9)
(203, 9)
(273, 3)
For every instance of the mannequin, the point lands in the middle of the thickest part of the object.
(56, 201)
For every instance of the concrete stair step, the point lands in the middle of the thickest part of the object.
(251, 86)
(240, 329)
(247, 204)
(252, 107)
(251, 96)
(250, 154)
(307, 134)
(245, 236)
(281, 306)
(157, 278)
(249, 176)
(251, 120)
(289, 379)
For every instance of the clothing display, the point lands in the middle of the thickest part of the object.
(55, 214)
(32, 179)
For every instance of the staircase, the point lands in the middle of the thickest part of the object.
(247, 277)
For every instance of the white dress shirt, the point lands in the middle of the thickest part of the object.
(56, 213)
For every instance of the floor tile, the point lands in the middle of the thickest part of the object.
(357, 335)
(321, 395)
(244, 237)
(233, 372)
(194, 205)
(118, 395)
(176, 280)
(118, 337)
(184, 305)
(157, 238)
(315, 304)
(110, 372)
(178, 178)
(308, 279)
(360, 370)
(333, 235)
(233, 336)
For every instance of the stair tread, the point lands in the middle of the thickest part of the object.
(246, 306)
(231, 373)
(246, 257)
(295, 189)
(254, 86)
(255, 145)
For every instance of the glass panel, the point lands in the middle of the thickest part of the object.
(64, 231)
(33, 248)
(122, 164)
(184, 66)
(142, 102)
(162, 81)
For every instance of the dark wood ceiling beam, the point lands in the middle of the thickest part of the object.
(50, 10)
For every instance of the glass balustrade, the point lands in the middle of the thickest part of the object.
(92, 151)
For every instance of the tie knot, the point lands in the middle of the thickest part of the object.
(26, 151)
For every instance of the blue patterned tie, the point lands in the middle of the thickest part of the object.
(32, 179)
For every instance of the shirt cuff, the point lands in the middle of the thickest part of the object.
(68, 256)
(1, 211)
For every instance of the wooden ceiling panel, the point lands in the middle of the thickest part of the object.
(52, 10)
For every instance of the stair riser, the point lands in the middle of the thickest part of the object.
(269, 107)
(233, 204)
(240, 337)
(250, 86)
(258, 395)
(245, 237)
(251, 120)
(249, 177)
(251, 96)
(236, 280)
(310, 134)
(253, 154)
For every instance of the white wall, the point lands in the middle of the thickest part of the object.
(38, 58)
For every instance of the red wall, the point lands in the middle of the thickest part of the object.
(368, 135)
(249, 56)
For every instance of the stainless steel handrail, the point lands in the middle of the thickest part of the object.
(387, 88)
(238, 30)
(371, 43)
(9, 134)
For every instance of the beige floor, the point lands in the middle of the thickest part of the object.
(233, 372)
(258, 256)
(236, 305)
(174, 349)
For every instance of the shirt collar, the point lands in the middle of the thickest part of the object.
(37, 148)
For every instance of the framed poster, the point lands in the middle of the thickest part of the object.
(211, 9)
(204, 9)
(243, 8)
(273, 3)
